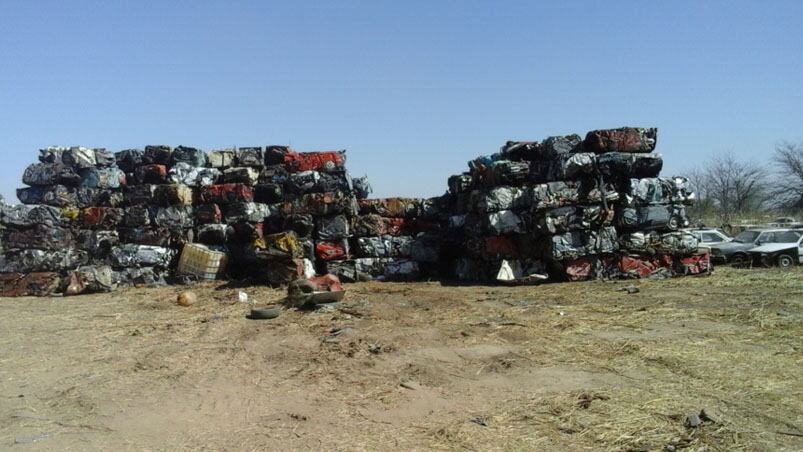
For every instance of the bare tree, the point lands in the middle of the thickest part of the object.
(698, 182)
(734, 186)
(788, 161)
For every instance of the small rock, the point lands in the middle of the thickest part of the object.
(670, 448)
(187, 298)
(213, 318)
(629, 289)
(340, 331)
(709, 414)
(301, 288)
(480, 421)
(31, 439)
(524, 303)
(693, 420)
(325, 308)
(411, 385)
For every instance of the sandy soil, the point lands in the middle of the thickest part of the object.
(412, 367)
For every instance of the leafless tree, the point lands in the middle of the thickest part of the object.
(788, 161)
(698, 182)
(734, 186)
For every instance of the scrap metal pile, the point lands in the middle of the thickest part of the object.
(569, 208)
(392, 239)
(92, 220)
(565, 208)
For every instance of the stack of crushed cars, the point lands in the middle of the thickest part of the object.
(390, 239)
(569, 208)
(91, 220)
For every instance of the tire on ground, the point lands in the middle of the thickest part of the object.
(786, 261)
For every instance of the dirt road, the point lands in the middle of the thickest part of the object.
(412, 367)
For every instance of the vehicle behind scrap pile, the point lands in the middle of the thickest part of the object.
(785, 250)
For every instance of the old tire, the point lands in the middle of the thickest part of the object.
(265, 314)
(786, 261)
(674, 223)
(739, 260)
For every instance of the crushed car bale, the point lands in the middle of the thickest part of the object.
(573, 208)
(93, 221)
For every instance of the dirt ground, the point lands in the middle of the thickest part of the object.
(412, 367)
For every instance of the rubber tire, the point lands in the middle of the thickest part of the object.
(785, 261)
(265, 314)
(739, 260)
(673, 224)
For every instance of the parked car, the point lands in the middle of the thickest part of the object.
(711, 237)
(783, 221)
(786, 222)
(786, 250)
(737, 251)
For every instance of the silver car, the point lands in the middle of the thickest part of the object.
(737, 251)
(785, 251)
(711, 237)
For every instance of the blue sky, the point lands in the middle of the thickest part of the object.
(413, 89)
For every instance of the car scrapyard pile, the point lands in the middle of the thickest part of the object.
(92, 221)
(573, 209)
(392, 239)
(565, 208)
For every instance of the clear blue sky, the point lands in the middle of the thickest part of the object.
(413, 89)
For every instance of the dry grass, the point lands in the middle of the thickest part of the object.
(555, 367)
